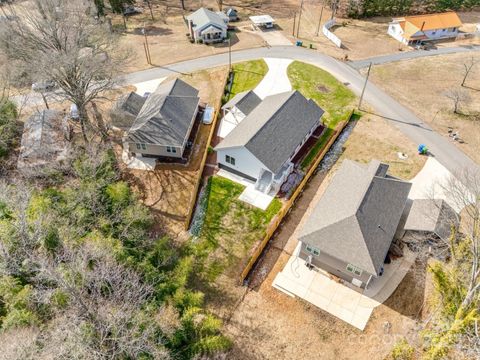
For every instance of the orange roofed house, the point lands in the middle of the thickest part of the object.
(412, 30)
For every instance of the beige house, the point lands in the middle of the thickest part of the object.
(163, 125)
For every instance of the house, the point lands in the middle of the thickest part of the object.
(207, 26)
(163, 125)
(431, 217)
(411, 30)
(126, 110)
(350, 230)
(262, 146)
(232, 14)
(45, 142)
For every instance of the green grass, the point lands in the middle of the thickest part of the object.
(247, 75)
(231, 227)
(307, 160)
(329, 93)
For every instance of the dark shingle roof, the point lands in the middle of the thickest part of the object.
(126, 109)
(245, 101)
(357, 216)
(166, 115)
(434, 216)
(274, 129)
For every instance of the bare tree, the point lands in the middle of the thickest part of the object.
(458, 96)
(468, 67)
(57, 40)
(219, 4)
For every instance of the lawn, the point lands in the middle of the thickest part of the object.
(247, 75)
(329, 93)
(230, 228)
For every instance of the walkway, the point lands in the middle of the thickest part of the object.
(359, 64)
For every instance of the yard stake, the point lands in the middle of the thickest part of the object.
(364, 87)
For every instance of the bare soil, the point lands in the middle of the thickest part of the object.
(267, 324)
(421, 84)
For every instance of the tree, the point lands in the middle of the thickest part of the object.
(468, 67)
(457, 282)
(56, 40)
(458, 96)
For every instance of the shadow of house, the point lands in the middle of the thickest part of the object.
(125, 110)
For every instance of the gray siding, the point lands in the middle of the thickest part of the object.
(333, 266)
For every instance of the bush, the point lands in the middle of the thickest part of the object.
(402, 350)
(8, 127)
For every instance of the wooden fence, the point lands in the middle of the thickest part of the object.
(193, 199)
(273, 226)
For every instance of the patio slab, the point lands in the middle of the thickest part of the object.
(227, 124)
(350, 304)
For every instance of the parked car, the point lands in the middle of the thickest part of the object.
(132, 10)
(44, 86)
(74, 115)
(208, 115)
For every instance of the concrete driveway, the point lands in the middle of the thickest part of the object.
(276, 80)
(342, 300)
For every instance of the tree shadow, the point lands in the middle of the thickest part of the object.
(151, 31)
(396, 120)
(408, 298)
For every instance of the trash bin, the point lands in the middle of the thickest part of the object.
(299, 43)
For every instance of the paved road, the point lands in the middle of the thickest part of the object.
(359, 64)
(442, 148)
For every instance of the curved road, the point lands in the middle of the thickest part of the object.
(441, 147)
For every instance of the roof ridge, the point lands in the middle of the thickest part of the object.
(292, 92)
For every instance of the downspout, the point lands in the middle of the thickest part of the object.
(368, 281)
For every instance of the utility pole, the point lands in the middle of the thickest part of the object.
(151, 11)
(299, 18)
(334, 8)
(229, 55)
(364, 87)
(147, 48)
(319, 21)
(294, 20)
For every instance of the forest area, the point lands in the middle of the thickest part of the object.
(369, 8)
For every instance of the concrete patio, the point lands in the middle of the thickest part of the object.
(250, 195)
(342, 300)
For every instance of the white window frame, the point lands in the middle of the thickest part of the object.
(312, 250)
(230, 159)
(138, 146)
(171, 149)
(354, 270)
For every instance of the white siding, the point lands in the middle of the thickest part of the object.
(245, 162)
(395, 31)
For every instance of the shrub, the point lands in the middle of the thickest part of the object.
(402, 350)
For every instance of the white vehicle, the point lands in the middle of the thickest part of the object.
(74, 112)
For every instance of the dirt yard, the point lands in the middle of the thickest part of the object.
(422, 87)
(268, 324)
(168, 189)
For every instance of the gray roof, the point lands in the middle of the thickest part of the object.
(126, 109)
(274, 129)
(44, 140)
(203, 17)
(357, 216)
(166, 116)
(433, 216)
(245, 101)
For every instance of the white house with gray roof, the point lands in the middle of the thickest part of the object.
(261, 147)
(163, 125)
(350, 230)
(207, 26)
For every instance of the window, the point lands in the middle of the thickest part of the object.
(144, 147)
(138, 146)
(230, 160)
(141, 147)
(312, 250)
(434, 32)
(354, 270)
(171, 149)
